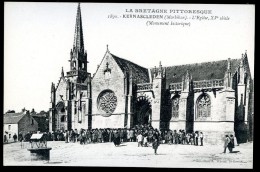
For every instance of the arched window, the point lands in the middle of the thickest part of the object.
(175, 106)
(203, 106)
(63, 118)
(74, 65)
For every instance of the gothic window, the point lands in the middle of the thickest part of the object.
(74, 65)
(203, 106)
(175, 106)
(83, 65)
(62, 110)
(84, 108)
(107, 72)
(107, 101)
(79, 117)
(75, 109)
(63, 118)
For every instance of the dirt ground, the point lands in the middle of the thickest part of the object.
(129, 155)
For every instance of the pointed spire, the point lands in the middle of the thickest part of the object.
(187, 75)
(78, 36)
(160, 68)
(242, 61)
(62, 72)
(245, 54)
(52, 87)
(108, 49)
(229, 64)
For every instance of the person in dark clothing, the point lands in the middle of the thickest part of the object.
(155, 143)
(116, 138)
(231, 144)
(15, 137)
(226, 143)
(5, 139)
(196, 138)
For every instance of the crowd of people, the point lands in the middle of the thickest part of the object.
(144, 135)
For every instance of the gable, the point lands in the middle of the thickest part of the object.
(108, 65)
(61, 89)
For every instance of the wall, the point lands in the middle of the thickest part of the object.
(25, 125)
(221, 121)
(13, 130)
(115, 83)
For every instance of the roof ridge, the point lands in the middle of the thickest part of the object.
(202, 63)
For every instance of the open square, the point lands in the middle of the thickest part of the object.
(129, 155)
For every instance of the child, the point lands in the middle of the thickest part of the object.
(139, 139)
(145, 140)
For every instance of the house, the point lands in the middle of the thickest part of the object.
(15, 123)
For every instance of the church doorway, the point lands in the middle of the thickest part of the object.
(61, 116)
(143, 112)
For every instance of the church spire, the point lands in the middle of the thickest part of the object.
(78, 36)
(62, 72)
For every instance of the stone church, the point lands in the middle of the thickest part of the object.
(213, 97)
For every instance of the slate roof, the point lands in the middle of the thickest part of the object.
(200, 71)
(13, 118)
(137, 71)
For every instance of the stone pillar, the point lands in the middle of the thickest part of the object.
(50, 120)
(126, 85)
(229, 95)
(159, 76)
(130, 102)
(52, 110)
(129, 114)
(183, 103)
(72, 114)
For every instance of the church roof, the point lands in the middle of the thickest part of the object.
(200, 71)
(137, 71)
(13, 118)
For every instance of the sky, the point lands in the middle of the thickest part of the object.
(38, 38)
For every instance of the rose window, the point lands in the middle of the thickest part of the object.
(107, 101)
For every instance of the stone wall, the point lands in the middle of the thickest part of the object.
(110, 81)
(25, 124)
(13, 130)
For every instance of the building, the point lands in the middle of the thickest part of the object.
(15, 123)
(213, 97)
(42, 120)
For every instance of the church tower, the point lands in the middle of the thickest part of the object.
(71, 99)
(78, 56)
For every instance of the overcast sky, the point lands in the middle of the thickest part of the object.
(38, 38)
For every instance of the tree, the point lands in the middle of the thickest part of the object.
(33, 112)
(23, 110)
